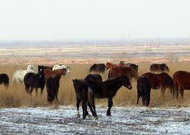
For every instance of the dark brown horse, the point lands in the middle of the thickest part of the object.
(181, 81)
(93, 77)
(34, 81)
(81, 91)
(119, 71)
(107, 89)
(100, 68)
(143, 90)
(52, 79)
(4, 79)
(159, 68)
(160, 81)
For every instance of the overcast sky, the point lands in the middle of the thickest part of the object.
(91, 19)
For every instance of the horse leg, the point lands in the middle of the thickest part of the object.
(143, 99)
(93, 109)
(138, 96)
(78, 104)
(36, 91)
(84, 109)
(182, 93)
(110, 104)
(163, 92)
(41, 91)
(147, 98)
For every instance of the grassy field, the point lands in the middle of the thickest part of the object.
(15, 95)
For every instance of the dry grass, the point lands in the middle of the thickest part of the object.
(15, 95)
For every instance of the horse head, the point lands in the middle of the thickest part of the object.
(126, 82)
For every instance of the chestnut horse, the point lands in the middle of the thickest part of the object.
(181, 81)
(159, 68)
(106, 89)
(162, 81)
(52, 79)
(119, 71)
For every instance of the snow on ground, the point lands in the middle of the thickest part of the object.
(124, 120)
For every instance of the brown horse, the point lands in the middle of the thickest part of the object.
(181, 81)
(111, 65)
(119, 71)
(52, 79)
(107, 89)
(159, 68)
(162, 81)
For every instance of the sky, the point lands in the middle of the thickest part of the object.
(93, 19)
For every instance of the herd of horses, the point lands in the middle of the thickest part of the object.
(92, 86)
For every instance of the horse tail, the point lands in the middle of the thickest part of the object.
(90, 96)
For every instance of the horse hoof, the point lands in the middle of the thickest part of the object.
(108, 114)
(89, 115)
(78, 115)
(96, 118)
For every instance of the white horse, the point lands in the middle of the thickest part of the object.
(56, 67)
(19, 74)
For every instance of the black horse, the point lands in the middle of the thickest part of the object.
(106, 89)
(143, 90)
(100, 68)
(34, 81)
(4, 79)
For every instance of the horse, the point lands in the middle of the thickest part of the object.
(4, 79)
(52, 80)
(56, 67)
(81, 91)
(134, 66)
(93, 77)
(43, 68)
(162, 81)
(159, 68)
(19, 74)
(106, 89)
(143, 90)
(111, 65)
(100, 68)
(34, 81)
(181, 81)
(119, 71)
